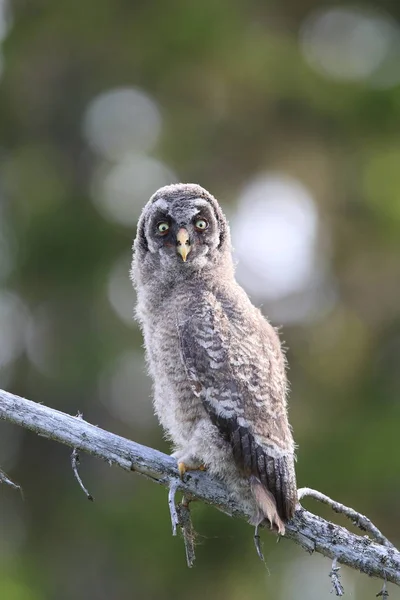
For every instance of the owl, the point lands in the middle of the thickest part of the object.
(218, 369)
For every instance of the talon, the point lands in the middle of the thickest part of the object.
(181, 469)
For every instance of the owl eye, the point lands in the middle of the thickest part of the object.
(163, 226)
(201, 224)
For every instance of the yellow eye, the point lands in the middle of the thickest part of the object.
(201, 224)
(163, 226)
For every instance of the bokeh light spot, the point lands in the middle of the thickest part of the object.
(121, 191)
(274, 234)
(122, 121)
(353, 44)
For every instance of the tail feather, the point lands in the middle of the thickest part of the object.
(267, 504)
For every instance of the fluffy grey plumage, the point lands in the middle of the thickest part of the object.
(217, 364)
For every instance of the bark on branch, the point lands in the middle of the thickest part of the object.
(313, 533)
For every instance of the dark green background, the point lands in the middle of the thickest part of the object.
(237, 99)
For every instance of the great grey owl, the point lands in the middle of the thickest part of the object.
(219, 372)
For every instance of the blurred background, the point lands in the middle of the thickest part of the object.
(289, 113)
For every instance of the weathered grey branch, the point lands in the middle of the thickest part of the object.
(173, 487)
(313, 533)
(383, 593)
(180, 517)
(361, 521)
(75, 466)
(185, 521)
(5, 479)
(335, 578)
(257, 543)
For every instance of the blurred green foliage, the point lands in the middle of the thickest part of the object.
(237, 98)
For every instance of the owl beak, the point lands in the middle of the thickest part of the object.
(183, 243)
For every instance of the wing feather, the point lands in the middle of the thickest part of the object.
(233, 376)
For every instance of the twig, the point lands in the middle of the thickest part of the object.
(75, 464)
(384, 593)
(361, 521)
(188, 532)
(311, 532)
(257, 543)
(335, 578)
(180, 517)
(172, 506)
(5, 479)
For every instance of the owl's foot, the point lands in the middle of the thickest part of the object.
(183, 467)
(187, 462)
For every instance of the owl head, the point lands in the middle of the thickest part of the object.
(182, 230)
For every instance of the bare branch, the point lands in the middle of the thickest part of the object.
(185, 521)
(75, 464)
(361, 521)
(180, 517)
(257, 543)
(335, 578)
(383, 593)
(5, 479)
(172, 506)
(310, 531)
